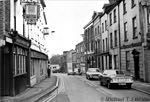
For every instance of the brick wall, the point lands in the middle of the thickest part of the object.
(7, 15)
(2, 10)
(4, 17)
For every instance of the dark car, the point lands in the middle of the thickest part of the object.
(115, 77)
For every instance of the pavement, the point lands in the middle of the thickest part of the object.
(141, 86)
(48, 85)
(35, 93)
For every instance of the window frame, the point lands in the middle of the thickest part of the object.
(124, 7)
(134, 27)
(115, 17)
(110, 18)
(115, 38)
(125, 32)
(133, 3)
(127, 60)
(111, 40)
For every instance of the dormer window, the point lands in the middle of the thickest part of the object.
(132, 3)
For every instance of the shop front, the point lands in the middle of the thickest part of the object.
(15, 64)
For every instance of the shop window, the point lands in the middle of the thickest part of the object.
(20, 57)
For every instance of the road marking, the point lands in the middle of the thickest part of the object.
(87, 82)
(52, 96)
(99, 89)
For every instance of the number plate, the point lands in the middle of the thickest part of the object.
(122, 83)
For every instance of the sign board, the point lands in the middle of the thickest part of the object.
(29, 1)
(2, 42)
(45, 31)
(31, 13)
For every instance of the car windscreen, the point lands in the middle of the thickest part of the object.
(119, 72)
(92, 70)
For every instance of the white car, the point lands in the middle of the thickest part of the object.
(93, 73)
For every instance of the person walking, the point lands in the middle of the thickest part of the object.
(48, 72)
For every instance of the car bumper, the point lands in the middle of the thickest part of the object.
(122, 84)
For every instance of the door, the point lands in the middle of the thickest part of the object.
(136, 67)
(6, 89)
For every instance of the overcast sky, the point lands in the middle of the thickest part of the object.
(67, 18)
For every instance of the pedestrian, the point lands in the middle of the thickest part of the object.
(48, 72)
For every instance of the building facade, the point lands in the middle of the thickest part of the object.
(97, 36)
(80, 57)
(124, 30)
(89, 45)
(18, 57)
(134, 28)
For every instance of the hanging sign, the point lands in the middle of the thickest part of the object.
(31, 13)
(45, 31)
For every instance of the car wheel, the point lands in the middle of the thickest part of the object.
(109, 86)
(86, 77)
(101, 83)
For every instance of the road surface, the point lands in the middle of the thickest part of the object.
(74, 88)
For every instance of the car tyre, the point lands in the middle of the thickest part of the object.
(86, 77)
(101, 83)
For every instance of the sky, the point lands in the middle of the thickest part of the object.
(67, 18)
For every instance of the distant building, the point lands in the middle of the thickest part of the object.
(70, 61)
(80, 56)
(89, 45)
(55, 67)
(63, 64)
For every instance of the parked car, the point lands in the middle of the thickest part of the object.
(93, 73)
(71, 73)
(77, 71)
(115, 77)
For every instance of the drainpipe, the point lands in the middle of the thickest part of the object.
(119, 37)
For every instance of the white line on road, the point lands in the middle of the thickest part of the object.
(99, 89)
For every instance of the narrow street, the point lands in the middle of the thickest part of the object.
(79, 89)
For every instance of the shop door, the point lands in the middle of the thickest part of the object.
(6, 70)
